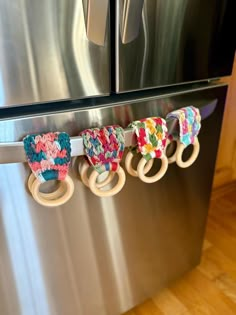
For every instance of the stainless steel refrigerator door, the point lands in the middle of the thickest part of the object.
(103, 255)
(53, 50)
(165, 42)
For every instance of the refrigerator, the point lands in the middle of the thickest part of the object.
(71, 65)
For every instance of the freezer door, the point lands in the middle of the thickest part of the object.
(103, 255)
(53, 50)
(165, 42)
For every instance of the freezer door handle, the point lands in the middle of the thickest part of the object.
(13, 152)
(96, 14)
(130, 19)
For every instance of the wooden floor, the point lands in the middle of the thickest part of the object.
(211, 287)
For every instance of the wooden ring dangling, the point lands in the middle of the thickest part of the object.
(53, 199)
(53, 195)
(128, 165)
(157, 176)
(179, 154)
(111, 192)
(83, 168)
(171, 159)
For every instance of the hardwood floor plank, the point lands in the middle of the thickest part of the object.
(210, 289)
(129, 313)
(214, 263)
(211, 293)
(225, 217)
(206, 245)
(223, 191)
(221, 240)
(147, 308)
(169, 304)
(227, 285)
(191, 299)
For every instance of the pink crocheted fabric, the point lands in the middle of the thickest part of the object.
(48, 155)
(104, 147)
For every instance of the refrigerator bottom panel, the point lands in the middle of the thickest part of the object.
(105, 255)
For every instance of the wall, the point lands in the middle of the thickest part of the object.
(226, 160)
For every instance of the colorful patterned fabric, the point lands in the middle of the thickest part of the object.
(48, 155)
(151, 136)
(189, 124)
(104, 147)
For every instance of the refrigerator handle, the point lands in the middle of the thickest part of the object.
(130, 19)
(13, 152)
(96, 14)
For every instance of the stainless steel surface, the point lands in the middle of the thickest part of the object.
(96, 12)
(103, 255)
(177, 42)
(45, 54)
(13, 152)
(130, 19)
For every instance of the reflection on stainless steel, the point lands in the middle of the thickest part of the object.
(103, 256)
(177, 41)
(22, 249)
(45, 54)
(96, 13)
(130, 19)
(13, 152)
(118, 259)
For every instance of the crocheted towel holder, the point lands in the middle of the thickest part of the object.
(151, 134)
(104, 148)
(49, 158)
(189, 120)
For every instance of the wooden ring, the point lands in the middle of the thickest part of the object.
(157, 176)
(193, 157)
(57, 201)
(107, 193)
(172, 158)
(131, 170)
(83, 170)
(53, 195)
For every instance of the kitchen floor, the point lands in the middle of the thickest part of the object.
(211, 287)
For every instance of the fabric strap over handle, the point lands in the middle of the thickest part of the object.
(48, 155)
(151, 136)
(189, 120)
(189, 124)
(104, 147)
